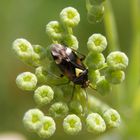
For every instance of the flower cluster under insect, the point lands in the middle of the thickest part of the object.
(61, 78)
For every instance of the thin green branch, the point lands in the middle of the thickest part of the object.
(110, 27)
(134, 65)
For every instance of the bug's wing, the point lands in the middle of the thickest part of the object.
(75, 61)
(67, 69)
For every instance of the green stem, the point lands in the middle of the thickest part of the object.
(113, 41)
(110, 27)
(133, 75)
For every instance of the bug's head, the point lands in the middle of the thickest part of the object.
(58, 52)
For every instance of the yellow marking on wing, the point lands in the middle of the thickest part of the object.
(78, 72)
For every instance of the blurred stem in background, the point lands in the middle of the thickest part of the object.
(129, 91)
(110, 27)
(133, 77)
(113, 44)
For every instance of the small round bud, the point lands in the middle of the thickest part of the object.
(94, 76)
(54, 30)
(43, 95)
(23, 49)
(72, 124)
(95, 61)
(35, 60)
(38, 49)
(117, 60)
(32, 120)
(103, 87)
(75, 107)
(48, 127)
(71, 41)
(114, 76)
(97, 43)
(95, 13)
(41, 74)
(58, 109)
(26, 81)
(112, 118)
(95, 123)
(70, 16)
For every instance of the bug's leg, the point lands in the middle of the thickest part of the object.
(72, 96)
(93, 88)
(60, 84)
(61, 75)
(86, 104)
(58, 77)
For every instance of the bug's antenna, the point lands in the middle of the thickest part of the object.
(91, 86)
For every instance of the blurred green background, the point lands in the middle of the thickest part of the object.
(27, 19)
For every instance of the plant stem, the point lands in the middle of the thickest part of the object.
(110, 27)
(113, 42)
(133, 74)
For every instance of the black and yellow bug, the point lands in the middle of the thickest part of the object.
(70, 64)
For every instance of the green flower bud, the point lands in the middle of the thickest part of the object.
(40, 51)
(95, 123)
(26, 81)
(43, 95)
(54, 30)
(112, 118)
(115, 76)
(70, 16)
(35, 60)
(95, 13)
(48, 127)
(76, 107)
(72, 124)
(95, 61)
(94, 76)
(117, 60)
(58, 109)
(23, 49)
(32, 119)
(103, 87)
(41, 74)
(71, 41)
(97, 43)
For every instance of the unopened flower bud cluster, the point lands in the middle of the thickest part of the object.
(95, 10)
(50, 92)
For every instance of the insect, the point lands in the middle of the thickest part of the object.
(70, 65)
